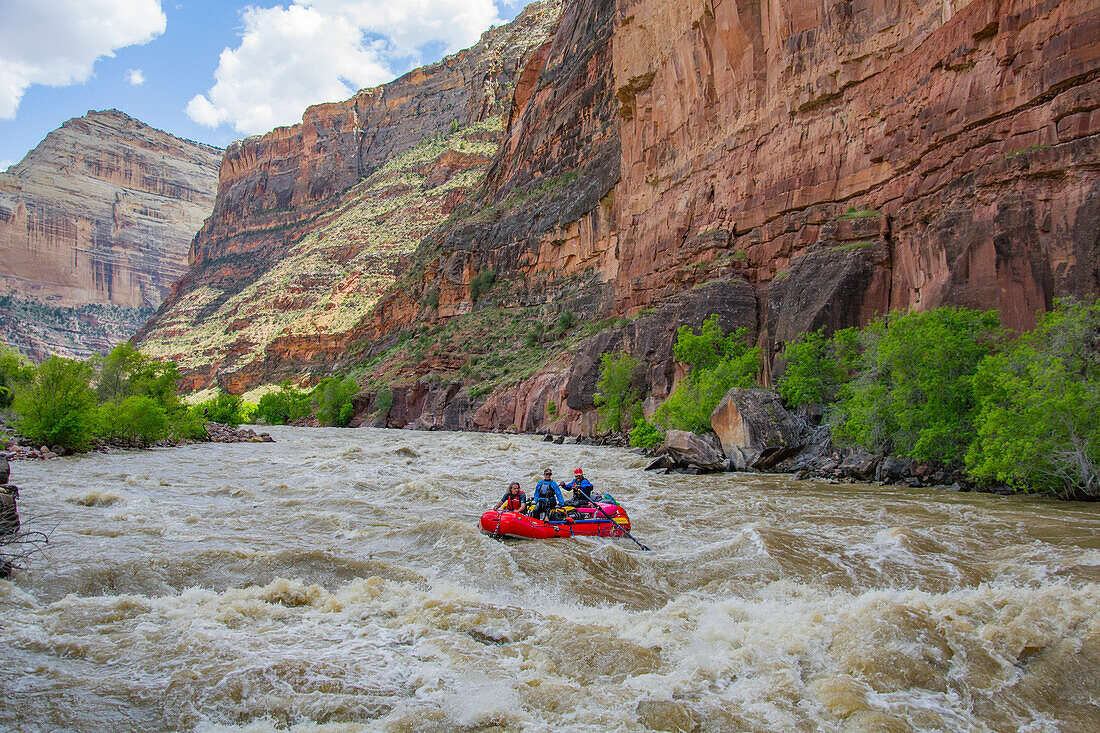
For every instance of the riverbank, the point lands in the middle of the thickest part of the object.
(22, 449)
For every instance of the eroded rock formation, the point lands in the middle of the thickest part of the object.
(789, 166)
(312, 220)
(95, 225)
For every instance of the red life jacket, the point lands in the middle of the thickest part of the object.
(515, 502)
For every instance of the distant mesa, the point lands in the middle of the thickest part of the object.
(95, 226)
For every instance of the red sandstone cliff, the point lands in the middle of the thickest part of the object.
(95, 225)
(785, 165)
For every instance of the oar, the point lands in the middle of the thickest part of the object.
(608, 516)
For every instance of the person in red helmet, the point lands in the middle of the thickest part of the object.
(584, 493)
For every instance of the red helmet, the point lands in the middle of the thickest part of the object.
(577, 471)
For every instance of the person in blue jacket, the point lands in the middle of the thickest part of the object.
(584, 493)
(547, 495)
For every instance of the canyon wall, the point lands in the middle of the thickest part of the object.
(785, 165)
(312, 220)
(95, 225)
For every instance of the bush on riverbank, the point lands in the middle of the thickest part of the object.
(1038, 421)
(332, 401)
(284, 405)
(122, 396)
(946, 386)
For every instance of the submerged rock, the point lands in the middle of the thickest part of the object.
(699, 451)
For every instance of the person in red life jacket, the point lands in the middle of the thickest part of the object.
(514, 500)
(584, 493)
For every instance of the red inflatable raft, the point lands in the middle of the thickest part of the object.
(587, 522)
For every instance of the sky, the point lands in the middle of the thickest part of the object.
(213, 70)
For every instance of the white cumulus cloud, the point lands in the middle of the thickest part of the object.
(57, 43)
(324, 50)
(136, 77)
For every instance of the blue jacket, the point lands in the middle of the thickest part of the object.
(582, 486)
(543, 489)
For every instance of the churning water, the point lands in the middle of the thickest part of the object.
(336, 581)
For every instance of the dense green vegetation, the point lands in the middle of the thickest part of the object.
(719, 362)
(617, 398)
(947, 386)
(284, 406)
(123, 396)
(332, 401)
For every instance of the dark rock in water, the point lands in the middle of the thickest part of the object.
(266, 438)
(559, 440)
(755, 430)
(662, 462)
(5, 470)
(688, 449)
(548, 438)
(859, 464)
(892, 468)
(914, 482)
(9, 512)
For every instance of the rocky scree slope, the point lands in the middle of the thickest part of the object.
(787, 166)
(95, 225)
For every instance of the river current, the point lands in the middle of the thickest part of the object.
(336, 581)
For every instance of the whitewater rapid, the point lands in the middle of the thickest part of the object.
(336, 581)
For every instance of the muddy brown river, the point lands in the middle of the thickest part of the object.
(336, 581)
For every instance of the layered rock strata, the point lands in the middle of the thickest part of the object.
(790, 166)
(842, 160)
(311, 220)
(95, 225)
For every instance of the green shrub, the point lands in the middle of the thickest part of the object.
(332, 401)
(187, 422)
(646, 435)
(225, 408)
(283, 406)
(719, 362)
(551, 408)
(534, 335)
(383, 402)
(615, 395)
(137, 418)
(1038, 421)
(13, 370)
(481, 284)
(914, 393)
(55, 404)
(817, 367)
(566, 321)
(431, 299)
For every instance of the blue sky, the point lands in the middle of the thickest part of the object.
(212, 71)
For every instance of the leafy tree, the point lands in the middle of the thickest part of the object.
(283, 406)
(137, 417)
(1038, 422)
(224, 408)
(615, 394)
(914, 395)
(481, 283)
(566, 321)
(817, 367)
(332, 400)
(13, 370)
(55, 404)
(646, 435)
(719, 362)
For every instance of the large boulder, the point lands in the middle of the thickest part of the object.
(755, 430)
(688, 449)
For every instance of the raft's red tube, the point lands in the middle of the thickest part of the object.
(591, 524)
